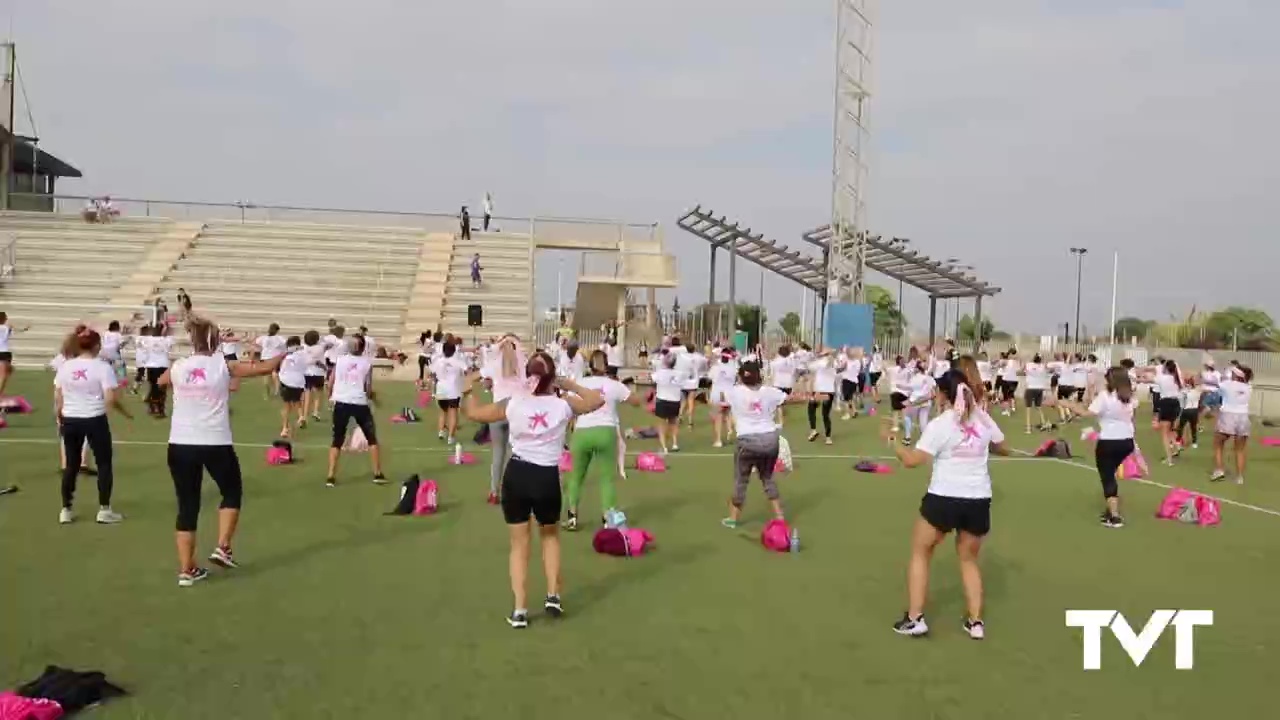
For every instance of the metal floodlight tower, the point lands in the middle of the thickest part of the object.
(851, 147)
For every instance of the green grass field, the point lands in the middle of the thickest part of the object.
(341, 612)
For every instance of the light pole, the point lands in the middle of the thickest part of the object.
(1079, 252)
(954, 265)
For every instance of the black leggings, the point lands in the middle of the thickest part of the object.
(826, 414)
(75, 431)
(187, 464)
(422, 367)
(155, 393)
(343, 414)
(1110, 454)
(1190, 417)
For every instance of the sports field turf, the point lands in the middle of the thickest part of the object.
(341, 612)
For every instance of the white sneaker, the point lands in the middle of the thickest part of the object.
(107, 516)
(1240, 480)
(66, 517)
(717, 444)
(976, 629)
(1218, 475)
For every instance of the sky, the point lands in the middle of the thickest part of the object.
(1004, 131)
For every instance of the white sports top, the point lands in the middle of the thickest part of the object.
(201, 385)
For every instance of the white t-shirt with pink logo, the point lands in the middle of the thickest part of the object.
(537, 425)
(351, 379)
(960, 452)
(84, 384)
(753, 409)
(201, 386)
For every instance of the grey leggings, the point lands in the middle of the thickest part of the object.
(500, 441)
(758, 452)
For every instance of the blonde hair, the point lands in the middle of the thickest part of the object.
(204, 335)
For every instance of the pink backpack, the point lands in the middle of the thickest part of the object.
(776, 535)
(398, 420)
(424, 398)
(3, 423)
(17, 707)
(651, 462)
(15, 404)
(631, 542)
(1182, 504)
(278, 456)
(427, 501)
(566, 462)
(1133, 467)
(1270, 441)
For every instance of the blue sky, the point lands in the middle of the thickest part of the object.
(1005, 130)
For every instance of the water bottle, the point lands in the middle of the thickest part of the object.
(795, 540)
(457, 454)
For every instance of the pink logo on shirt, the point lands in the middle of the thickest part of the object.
(756, 406)
(79, 374)
(538, 420)
(196, 374)
(970, 433)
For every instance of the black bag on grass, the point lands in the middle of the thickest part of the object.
(1054, 449)
(408, 493)
(71, 689)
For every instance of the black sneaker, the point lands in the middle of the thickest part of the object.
(552, 606)
(914, 628)
(1112, 521)
(571, 524)
(379, 479)
(976, 629)
(518, 620)
(331, 482)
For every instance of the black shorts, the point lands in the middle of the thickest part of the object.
(290, 394)
(611, 371)
(874, 379)
(1168, 409)
(971, 515)
(1054, 382)
(897, 401)
(685, 393)
(6, 357)
(1080, 394)
(704, 383)
(343, 414)
(847, 389)
(785, 391)
(1033, 398)
(1008, 388)
(530, 490)
(666, 409)
(986, 384)
(1065, 392)
(229, 357)
(453, 404)
(314, 382)
(153, 374)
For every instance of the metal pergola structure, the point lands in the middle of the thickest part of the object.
(724, 234)
(894, 259)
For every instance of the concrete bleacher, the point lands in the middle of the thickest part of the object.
(70, 271)
(505, 293)
(248, 275)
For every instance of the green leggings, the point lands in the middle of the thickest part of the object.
(598, 447)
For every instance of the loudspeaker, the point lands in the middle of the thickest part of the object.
(475, 315)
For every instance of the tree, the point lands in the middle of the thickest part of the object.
(1246, 327)
(751, 318)
(887, 318)
(986, 332)
(790, 324)
(1131, 327)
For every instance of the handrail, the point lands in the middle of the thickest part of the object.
(247, 205)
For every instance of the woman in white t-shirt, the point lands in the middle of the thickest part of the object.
(823, 371)
(7, 332)
(753, 407)
(65, 353)
(987, 375)
(595, 439)
(875, 369)
(572, 364)
(1233, 421)
(959, 443)
(269, 347)
(919, 398)
(313, 376)
(538, 421)
(159, 351)
(668, 389)
(200, 439)
(229, 345)
(1114, 408)
(1190, 417)
(852, 368)
(722, 375)
(503, 374)
(113, 342)
(1009, 369)
(335, 346)
(449, 371)
(84, 388)
(1036, 374)
(613, 351)
(351, 393)
(782, 375)
(293, 384)
(1168, 384)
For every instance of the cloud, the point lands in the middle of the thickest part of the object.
(1006, 131)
